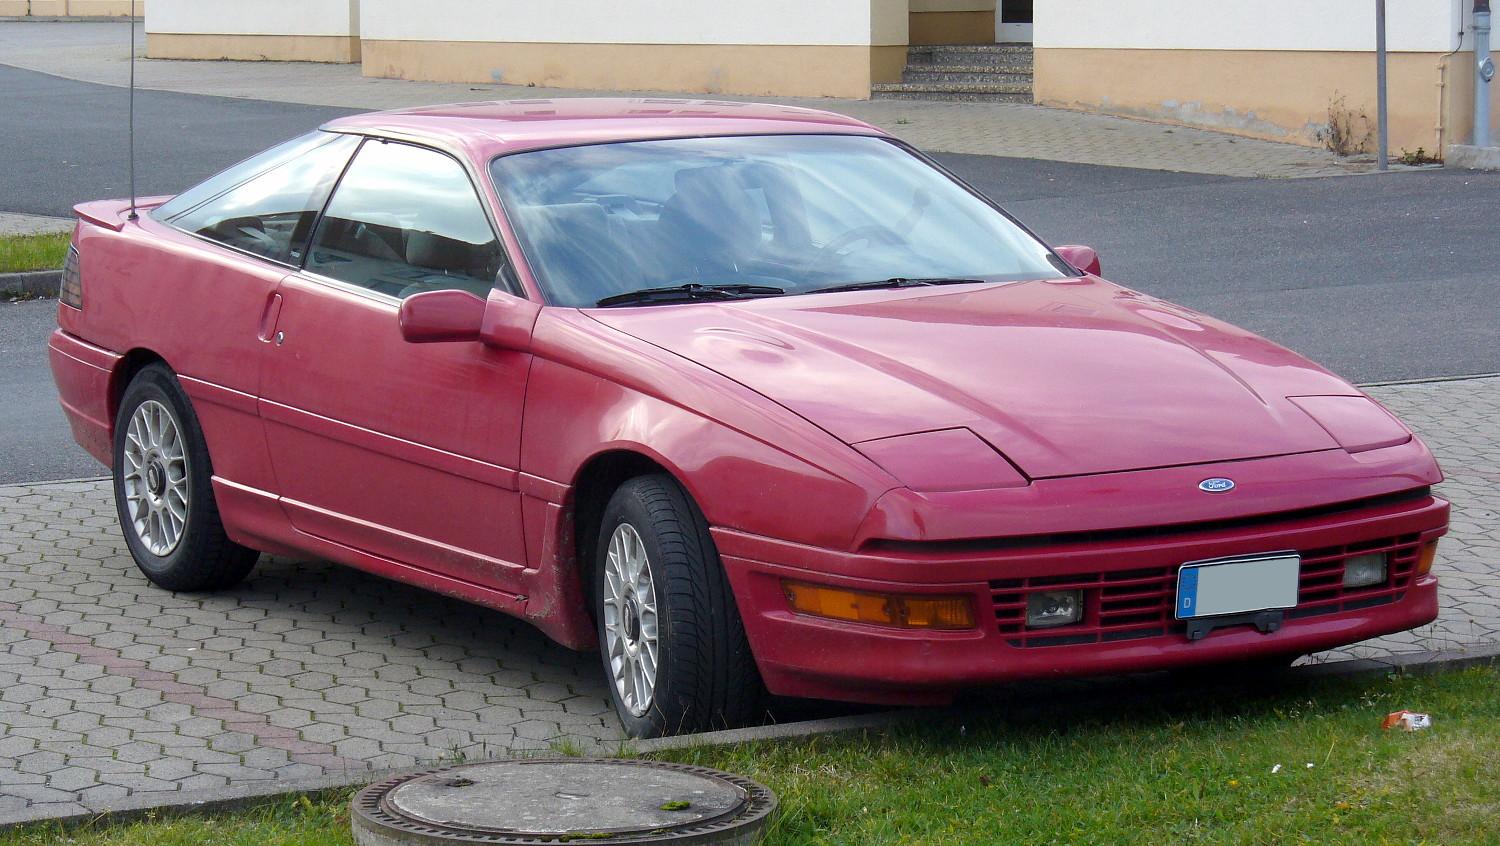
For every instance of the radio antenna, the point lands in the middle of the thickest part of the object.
(131, 118)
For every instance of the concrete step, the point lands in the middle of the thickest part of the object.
(970, 54)
(960, 92)
(962, 74)
(951, 97)
(961, 66)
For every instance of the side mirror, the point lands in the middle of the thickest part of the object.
(1083, 258)
(508, 322)
(437, 316)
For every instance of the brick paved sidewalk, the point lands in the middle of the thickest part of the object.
(111, 690)
(98, 53)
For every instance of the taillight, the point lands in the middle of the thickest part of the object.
(71, 291)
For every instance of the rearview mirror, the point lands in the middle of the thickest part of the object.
(1081, 257)
(437, 316)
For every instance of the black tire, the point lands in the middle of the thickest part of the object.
(705, 674)
(203, 557)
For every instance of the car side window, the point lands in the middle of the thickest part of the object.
(266, 205)
(405, 220)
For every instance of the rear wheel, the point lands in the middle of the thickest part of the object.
(674, 648)
(163, 493)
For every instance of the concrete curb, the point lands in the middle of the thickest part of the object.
(1428, 380)
(56, 482)
(195, 802)
(1473, 158)
(39, 283)
(781, 731)
(232, 798)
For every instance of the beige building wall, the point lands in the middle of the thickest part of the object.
(1301, 71)
(1314, 98)
(72, 8)
(952, 21)
(254, 48)
(254, 30)
(749, 69)
(769, 48)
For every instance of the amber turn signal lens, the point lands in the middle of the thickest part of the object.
(1429, 555)
(881, 609)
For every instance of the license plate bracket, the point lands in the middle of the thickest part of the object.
(1264, 622)
(1254, 590)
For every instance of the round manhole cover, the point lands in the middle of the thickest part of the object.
(567, 800)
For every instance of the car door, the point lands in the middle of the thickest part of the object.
(240, 232)
(406, 451)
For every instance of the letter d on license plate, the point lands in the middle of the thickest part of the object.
(1237, 585)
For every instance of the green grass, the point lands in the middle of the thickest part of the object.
(1191, 769)
(1194, 771)
(33, 252)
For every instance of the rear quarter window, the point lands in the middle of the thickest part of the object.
(265, 205)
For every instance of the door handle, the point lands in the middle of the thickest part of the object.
(268, 320)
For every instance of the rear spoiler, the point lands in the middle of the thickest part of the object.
(111, 214)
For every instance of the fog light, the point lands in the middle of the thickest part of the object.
(1364, 570)
(881, 609)
(1429, 555)
(1046, 609)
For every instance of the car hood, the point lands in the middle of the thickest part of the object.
(1065, 378)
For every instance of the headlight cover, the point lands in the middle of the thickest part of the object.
(944, 460)
(1357, 423)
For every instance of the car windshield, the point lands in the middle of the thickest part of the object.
(751, 216)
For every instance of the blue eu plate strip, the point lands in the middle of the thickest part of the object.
(1187, 592)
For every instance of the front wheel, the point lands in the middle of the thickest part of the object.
(163, 493)
(673, 646)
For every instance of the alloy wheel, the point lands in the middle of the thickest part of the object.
(155, 478)
(630, 620)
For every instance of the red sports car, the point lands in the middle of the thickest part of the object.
(752, 398)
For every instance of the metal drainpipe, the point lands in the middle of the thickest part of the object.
(1484, 71)
(1383, 118)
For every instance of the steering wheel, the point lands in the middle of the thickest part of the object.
(837, 251)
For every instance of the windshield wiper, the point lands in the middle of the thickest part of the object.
(894, 282)
(690, 291)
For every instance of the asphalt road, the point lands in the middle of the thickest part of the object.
(35, 443)
(1378, 277)
(63, 142)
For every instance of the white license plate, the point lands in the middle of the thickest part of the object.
(1237, 585)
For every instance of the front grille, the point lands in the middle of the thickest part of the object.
(1135, 604)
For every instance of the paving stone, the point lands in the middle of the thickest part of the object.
(329, 671)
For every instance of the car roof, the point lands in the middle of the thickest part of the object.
(487, 129)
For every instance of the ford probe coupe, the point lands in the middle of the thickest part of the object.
(751, 398)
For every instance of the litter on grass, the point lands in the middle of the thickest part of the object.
(1407, 721)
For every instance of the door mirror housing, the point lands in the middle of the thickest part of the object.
(503, 321)
(508, 321)
(438, 316)
(1083, 258)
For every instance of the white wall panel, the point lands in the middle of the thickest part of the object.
(1412, 25)
(254, 17)
(629, 21)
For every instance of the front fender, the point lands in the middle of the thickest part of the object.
(739, 481)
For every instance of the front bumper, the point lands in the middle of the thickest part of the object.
(1129, 581)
